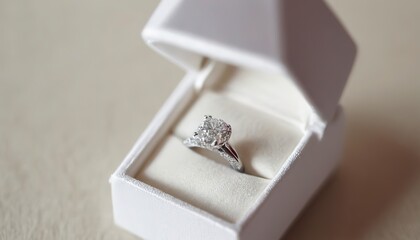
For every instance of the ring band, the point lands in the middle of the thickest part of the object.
(213, 134)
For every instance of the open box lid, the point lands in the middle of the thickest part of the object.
(300, 39)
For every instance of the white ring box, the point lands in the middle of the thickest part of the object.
(274, 70)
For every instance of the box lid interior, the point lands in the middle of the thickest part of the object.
(302, 40)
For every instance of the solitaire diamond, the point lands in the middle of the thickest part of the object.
(212, 133)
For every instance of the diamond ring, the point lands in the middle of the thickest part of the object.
(213, 134)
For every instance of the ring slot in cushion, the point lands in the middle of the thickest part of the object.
(262, 141)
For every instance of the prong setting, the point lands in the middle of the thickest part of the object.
(212, 133)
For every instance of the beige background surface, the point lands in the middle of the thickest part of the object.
(78, 86)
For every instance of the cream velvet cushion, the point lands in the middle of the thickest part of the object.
(204, 179)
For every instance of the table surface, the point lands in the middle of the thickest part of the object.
(78, 86)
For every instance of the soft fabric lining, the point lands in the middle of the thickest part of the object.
(267, 127)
